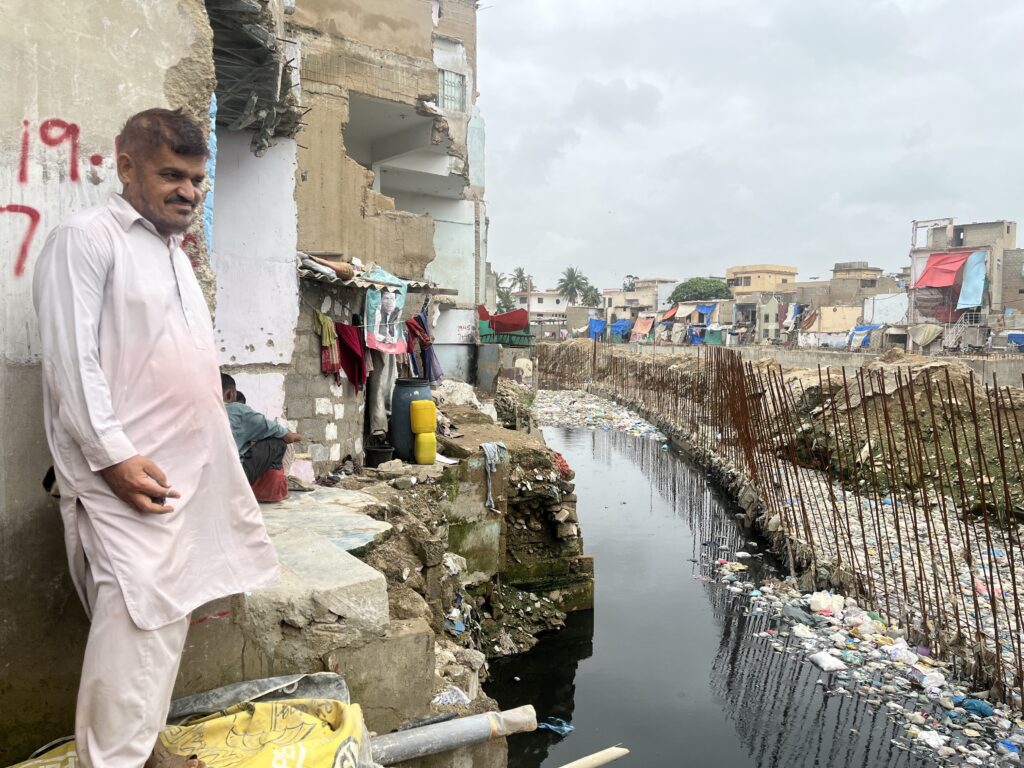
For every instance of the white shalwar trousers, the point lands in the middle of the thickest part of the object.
(128, 673)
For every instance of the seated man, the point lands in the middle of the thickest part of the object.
(261, 444)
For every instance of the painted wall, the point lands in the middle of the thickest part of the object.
(455, 343)
(886, 308)
(477, 142)
(72, 74)
(454, 242)
(253, 254)
(837, 319)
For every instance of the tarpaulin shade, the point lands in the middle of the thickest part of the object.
(510, 322)
(669, 314)
(620, 327)
(860, 336)
(972, 288)
(596, 328)
(706, 309)
(941, 270)
(684, 311)
(643, 326)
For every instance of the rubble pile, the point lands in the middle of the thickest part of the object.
(544, 548)
(579, 409)
(512, 620)
(512, 402)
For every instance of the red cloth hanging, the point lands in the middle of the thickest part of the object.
(351, 354)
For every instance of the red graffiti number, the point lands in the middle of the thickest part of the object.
(26, 242)
(54, 132)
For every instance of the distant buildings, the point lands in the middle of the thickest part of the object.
(963, 289)
(648, 295)
(966, 287)
(758, 278)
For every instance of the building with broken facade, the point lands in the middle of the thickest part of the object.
(335, 135)
(966, 287)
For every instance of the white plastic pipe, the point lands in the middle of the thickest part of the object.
(603, 757)
(398, 747)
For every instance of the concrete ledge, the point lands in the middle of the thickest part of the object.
(391, 678)
(314, 569)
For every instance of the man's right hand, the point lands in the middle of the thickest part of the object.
(291, 437)
(141, 484)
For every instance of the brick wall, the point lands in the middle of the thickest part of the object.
(327, 414)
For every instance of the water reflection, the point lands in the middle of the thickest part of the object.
(667, 663)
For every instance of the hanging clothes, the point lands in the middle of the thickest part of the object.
(380, 384)
(330, 358)
(352, 354)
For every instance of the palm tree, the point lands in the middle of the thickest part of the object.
(520, 281)
(505, 301)
(591, 297)
(571, 284)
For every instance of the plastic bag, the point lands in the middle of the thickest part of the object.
(451, 696)
(826, 662)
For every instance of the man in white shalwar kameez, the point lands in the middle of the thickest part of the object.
(158, 515)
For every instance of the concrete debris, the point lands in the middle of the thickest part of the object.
(512, 403)
(450, 392)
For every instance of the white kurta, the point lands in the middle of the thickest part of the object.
(129, 367)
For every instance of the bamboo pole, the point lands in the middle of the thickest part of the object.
(603, 757)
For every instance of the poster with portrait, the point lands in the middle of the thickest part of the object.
(385, 330)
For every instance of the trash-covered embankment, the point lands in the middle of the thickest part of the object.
(897, 486)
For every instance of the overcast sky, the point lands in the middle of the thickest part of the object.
(677, 137)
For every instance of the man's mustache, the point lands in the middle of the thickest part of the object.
(179, 199)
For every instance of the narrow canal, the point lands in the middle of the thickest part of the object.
(667, 663)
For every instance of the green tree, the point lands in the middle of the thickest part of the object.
(629, 283)
(519, 281)
(571, 285)
(699, 289)
(506, 301)
(591, 297)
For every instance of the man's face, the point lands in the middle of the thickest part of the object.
(164, 187)
(387, 301)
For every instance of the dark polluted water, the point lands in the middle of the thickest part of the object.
(666, 663)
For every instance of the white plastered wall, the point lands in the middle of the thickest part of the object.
(253, 255)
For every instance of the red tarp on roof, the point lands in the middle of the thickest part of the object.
(941, 270)
(669, 314)
(509, 322)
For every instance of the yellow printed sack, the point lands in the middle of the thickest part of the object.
(295, 733)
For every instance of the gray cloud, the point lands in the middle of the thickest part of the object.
(675, 137)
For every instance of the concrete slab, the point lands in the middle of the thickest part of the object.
(316, 569)
(335, 514)
(391, 678)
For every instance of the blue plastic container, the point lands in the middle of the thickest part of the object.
(406, 391)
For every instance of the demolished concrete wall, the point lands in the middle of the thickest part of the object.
(346, 49)
(62, 104)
